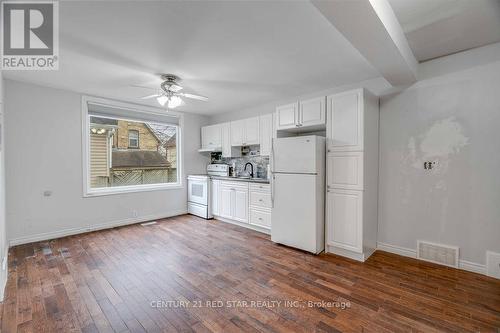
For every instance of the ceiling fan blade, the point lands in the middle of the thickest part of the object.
(192, 96)
(175, 87)
(151, 96)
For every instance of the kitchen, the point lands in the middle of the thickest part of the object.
(261, 168)
(256, 166)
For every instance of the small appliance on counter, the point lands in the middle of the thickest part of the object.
(221, 170)
(199, 190)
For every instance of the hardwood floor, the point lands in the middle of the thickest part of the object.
(120, 280)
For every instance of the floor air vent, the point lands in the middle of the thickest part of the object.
(438, 253)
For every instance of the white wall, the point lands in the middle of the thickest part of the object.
(453, 119)
(3, 235)
(43, 152)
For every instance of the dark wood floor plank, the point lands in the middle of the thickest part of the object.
(115, 280)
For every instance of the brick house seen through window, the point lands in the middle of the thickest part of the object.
(126, 153)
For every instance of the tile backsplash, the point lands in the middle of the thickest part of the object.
(260, 163)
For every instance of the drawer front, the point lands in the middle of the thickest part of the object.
(260, 218)
(260, 188)
(235, 185)
(260, 199)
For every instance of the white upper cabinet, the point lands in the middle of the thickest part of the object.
(345, 130)
(306, 115)
(312, 112)
(266, 134)
(287, 116)
(245, 132)
(226, 139)
(251, 131)
(211, 137)
(237, 132)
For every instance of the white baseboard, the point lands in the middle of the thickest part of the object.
(402, 251)
(4, 269)
(244, 225)
(346, 253)
(472, 266)
(92, 227)
(411, 253)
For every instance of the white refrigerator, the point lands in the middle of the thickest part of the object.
(298, 192)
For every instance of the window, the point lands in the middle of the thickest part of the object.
(133, 139)
(116, 162)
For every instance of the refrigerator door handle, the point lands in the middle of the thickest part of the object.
(271, 178)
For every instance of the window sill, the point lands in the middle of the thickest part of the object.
(130, 189)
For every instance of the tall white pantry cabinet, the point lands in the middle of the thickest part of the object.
(352, 174)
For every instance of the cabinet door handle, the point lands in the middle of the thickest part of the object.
(260, 218)
(261, 200)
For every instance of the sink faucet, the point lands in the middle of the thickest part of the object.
(251, 168)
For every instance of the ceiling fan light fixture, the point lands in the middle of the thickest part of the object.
(162, 100)
(174, 102)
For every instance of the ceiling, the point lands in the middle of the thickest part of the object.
(436, 28)
(239, 54)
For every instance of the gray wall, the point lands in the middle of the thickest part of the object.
(452, 119)
(44, 152)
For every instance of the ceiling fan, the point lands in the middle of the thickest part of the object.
(169, 92)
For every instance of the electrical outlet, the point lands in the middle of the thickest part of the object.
(429, 165)
(47, 193)
(493, 264)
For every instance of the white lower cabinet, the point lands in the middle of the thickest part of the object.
(215, 196)
(240, 212)
(233, 201)
(345, 217)
(244, 202)
(260, 205)
(225, 204)
(261, 218)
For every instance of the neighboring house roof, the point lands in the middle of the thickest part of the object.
(152, 131)
(172, 142)
(138, 159)
(103, 121)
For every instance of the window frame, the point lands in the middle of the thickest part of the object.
(88, 191)
(138, 144)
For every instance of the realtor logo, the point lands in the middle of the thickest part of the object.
(30, 36)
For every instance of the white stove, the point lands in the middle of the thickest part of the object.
(199, 200)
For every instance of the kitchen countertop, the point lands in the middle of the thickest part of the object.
(249, 180)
